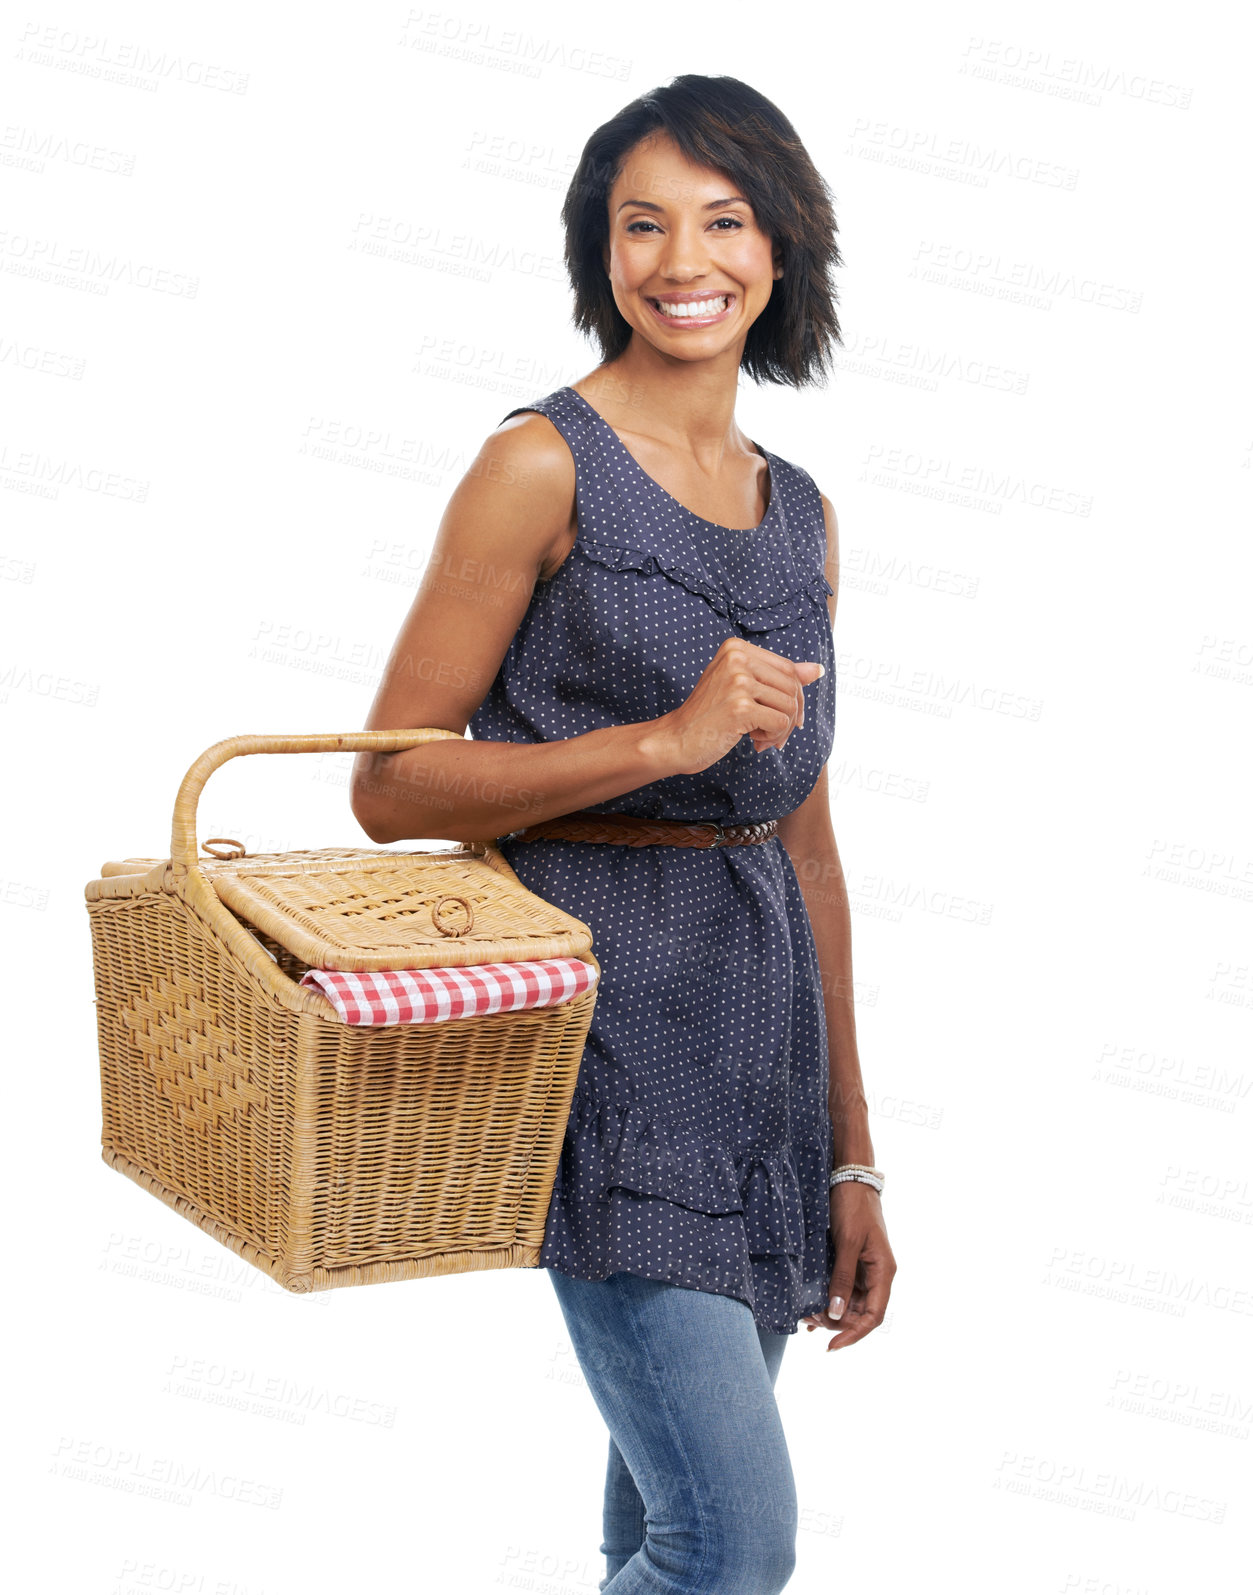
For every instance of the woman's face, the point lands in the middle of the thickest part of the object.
(682, 237)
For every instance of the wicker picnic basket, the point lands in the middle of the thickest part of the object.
(329, 1154)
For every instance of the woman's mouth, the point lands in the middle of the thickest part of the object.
(700, 311)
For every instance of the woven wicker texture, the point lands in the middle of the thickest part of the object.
(367, 910)
(325, 1154)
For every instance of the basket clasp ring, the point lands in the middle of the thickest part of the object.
(449, 930)
(235, 849)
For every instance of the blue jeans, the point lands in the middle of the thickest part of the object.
(699, 1494)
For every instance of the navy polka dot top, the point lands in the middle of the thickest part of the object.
(698, 1147)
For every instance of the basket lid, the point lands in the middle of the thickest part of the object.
(371, 908)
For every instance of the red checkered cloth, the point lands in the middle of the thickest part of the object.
(425, 996)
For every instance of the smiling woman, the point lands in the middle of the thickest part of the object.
(658, 652)
(774, 192)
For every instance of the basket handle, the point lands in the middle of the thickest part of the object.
(183, 849)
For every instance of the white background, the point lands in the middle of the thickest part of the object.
(268, 280)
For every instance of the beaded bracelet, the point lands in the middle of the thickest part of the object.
(859, 1171)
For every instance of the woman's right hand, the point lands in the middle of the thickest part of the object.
(744, 690)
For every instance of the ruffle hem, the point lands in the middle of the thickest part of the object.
(740, 1220)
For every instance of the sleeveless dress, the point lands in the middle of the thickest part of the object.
(698, 1147)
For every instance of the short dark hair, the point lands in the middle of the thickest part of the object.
(722, 123)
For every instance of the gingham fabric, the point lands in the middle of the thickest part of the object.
(426, 996)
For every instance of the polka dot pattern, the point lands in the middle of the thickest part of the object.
(698, 1145)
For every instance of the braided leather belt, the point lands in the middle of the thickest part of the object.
(633, 830)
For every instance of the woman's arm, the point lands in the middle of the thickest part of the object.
(861, 1280)
(810, 841)
(510, 516)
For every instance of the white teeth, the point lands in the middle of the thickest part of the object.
(697, 307)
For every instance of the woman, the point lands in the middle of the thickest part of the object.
(630, 604)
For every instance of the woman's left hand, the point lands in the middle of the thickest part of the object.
(864, 1265)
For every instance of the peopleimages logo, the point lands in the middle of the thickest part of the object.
(1021, 282)
(959, 159)
(117, 1467)
(890, 465)
(1066, 76)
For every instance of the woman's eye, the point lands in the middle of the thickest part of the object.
(735, 224)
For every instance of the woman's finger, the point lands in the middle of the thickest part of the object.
(867, 1305)
(791, 701)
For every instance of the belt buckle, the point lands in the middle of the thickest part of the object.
(720, 837)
